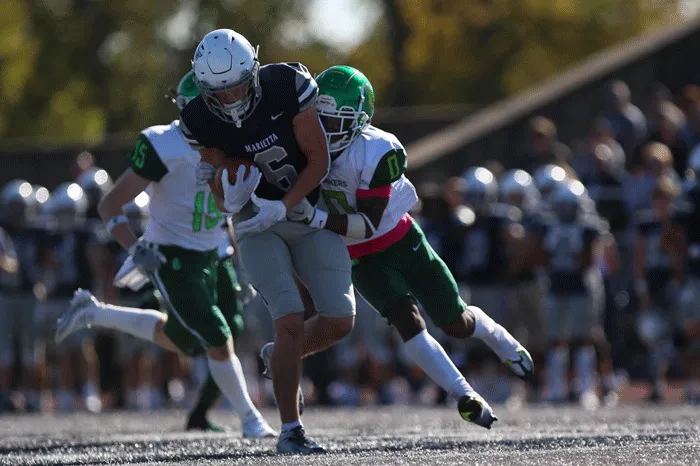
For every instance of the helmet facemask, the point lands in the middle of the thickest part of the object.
(234, 111)
(341, 125)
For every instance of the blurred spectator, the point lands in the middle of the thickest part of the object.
(626, 120)
(605, 187)
(542, 147)
(690, 97)
(600, 133)
(656, 160)
(690, 132)
(495, 167)
(668, 132)
(453, 191)
(659, 95)
(83, 161)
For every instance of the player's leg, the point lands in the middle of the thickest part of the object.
(7, 353)
(266, 259)
(584, 328)
(689, 323)
(253, 425)
(432, 283)
(381, 284)
(558, 329)
(321, 261)
(188, 284)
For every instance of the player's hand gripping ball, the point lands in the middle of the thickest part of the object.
(231, 165)
(235, 187)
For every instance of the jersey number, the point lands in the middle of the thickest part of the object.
(139, 155)
(284, 176)
(211, 217)
(337, 202)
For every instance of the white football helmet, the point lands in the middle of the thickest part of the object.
(480, 187)
(547, 178)
(517, 188)
(95, 183)
(223, 61)
(67, 206)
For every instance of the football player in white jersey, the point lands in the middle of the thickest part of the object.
(179, 253)
(366, 199)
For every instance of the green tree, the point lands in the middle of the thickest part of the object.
(477, 52)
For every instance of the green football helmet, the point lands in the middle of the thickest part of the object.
(186, 90)
(345, 104)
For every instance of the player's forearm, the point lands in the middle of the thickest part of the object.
(351, 226)
(116, 223)
(309, 179)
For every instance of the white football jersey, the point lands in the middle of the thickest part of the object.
(354, 169)
(181, 212)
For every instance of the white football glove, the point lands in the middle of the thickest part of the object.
(306, 213)
(238, 194)
(270, 213)
(146, 256)
(205, 173)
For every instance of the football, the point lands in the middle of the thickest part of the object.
(232, 165)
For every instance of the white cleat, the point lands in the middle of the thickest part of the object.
(521, 363)
(258, 428)
(473, 408)
(79, 316)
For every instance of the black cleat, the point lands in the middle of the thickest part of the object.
(295, 441)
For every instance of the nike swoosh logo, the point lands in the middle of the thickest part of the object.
(417, 246)
(274, 117)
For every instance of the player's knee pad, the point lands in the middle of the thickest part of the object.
(405, 317)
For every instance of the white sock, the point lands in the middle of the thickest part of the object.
(427, 354)
(229, 377)
(557, 370)
(290, 425)
(140, 323)
(493, 334)
(584, 362)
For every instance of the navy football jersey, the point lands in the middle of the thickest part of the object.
(564, 243)
(686, 214)
(23, 246)
(267, 136)
(70, 264)
(658, 260)
(480, 247)
(529, 222)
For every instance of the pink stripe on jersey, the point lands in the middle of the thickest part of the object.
(382, 191)
(382, 242)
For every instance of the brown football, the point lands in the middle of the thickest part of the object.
(232, 164)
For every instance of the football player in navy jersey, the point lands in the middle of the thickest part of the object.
(68, 249)
(655, 284)
(18, 271)
(684, 240)
(267, 115)
(527, 288)
(571, 307)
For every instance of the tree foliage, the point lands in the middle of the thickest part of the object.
(479, 51)
(76, 70)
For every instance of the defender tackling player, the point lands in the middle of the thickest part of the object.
(366, 199)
